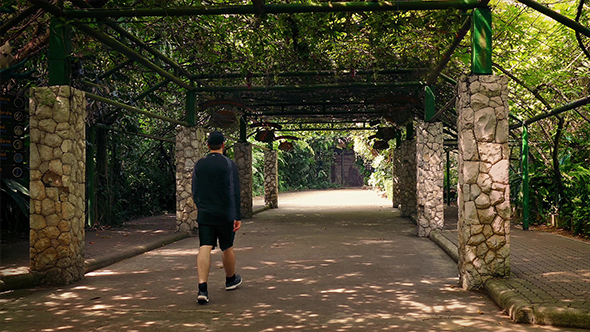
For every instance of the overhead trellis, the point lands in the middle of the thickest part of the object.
(353, 94)
(341, 90)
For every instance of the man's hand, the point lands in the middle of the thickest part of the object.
(237, 225)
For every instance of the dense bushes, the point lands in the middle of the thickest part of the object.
(308, 165)
(135, 176)
(572, 208)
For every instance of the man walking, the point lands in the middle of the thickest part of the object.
(216, 192)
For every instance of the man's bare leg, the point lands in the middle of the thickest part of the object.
(204, 263)
(229, 262)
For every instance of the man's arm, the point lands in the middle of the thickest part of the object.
(195, 184)
(237, 191)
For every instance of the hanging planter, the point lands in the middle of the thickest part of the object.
(380, 145)
(286, 146)
(265, 136)
(223, 119)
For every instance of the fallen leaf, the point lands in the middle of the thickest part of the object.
(91, 242)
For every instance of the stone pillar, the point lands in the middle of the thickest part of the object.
(430, 177)
(243, 159)
(483, 188)
(396, 169)
(271, 179)
(58, 183)
(407, 177)
(190, 147)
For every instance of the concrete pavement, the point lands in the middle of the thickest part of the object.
(337, 260)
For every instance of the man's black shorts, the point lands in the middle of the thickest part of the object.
(208, 235)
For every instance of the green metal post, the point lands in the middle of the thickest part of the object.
(409, 131)
(429, 104)
(448, 184)
(191, 110)
(481, 42)
(91, 165)
(60, 47)
(525, 178)
(243, 133)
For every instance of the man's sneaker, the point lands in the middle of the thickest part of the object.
(203, 297)
(234, 284)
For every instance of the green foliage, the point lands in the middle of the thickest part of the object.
(308, 165)
(15, 206)
(574, 161)
(140, 176)
(257, 172)
(377, 164)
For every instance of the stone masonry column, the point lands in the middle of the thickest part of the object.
(483, 188)
(243, 159)
(58, 184)
(190, 147)
(396, 169)
(407, 178)
(430, 177)
(271, 179)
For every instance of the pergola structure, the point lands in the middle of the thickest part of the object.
(418, 102)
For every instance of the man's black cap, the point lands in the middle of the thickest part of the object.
(215, 138)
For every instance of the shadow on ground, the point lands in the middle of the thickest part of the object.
(322, 267)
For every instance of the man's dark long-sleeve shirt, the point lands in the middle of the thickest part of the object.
(216, 189)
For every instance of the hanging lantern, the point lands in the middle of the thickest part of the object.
(380, 145)
(223, 119)
(265, 136)
(286, 146)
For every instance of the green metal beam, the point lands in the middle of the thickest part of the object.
(135, 109)
(311, 103)
(319, 122)
(243, 131)
(91, 184)
(448, 179)
(191, 107)
(60, 47)
(150, 90)
(330, 7)
(568, 22)
(312, 73)
(326, 129)
(117, 46)
(444, 109)
(559, 110)
(357, 85)
(448, 79)
(306, 113)
(115, 69)
(409, 131)
(481, 42)
(429, 104)
(158, 138)
(17, 19)
(141, 44)
(111, 42)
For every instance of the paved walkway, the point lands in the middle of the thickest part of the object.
(340, 260)
(550, 280)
